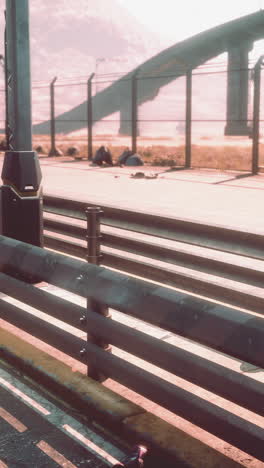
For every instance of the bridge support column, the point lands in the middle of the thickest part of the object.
(237, 90)
(125, 128)
(128, 109)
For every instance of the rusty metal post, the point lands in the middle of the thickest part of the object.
(90, 117)
(188, 120)
(53, 150)
(256, 116)
(134, 116)
(93, 256)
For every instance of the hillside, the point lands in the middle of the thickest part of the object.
(68, 35)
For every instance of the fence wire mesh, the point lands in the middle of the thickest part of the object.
(220, 120)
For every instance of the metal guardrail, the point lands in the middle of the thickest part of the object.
(233, 332)
(212, 277)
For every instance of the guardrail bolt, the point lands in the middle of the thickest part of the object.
(83, 320)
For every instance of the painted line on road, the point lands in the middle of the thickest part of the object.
(54, 455)
(90, 444)
(24, 397)
(55, 416)
(10, 419)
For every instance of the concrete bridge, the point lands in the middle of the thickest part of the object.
(235, 37)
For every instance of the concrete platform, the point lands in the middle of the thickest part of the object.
(204, 195)
(209, 196)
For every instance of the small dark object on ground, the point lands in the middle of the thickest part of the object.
(134, 160)
(138, 175)
(141, 175)
(164, 162)
(73, 151)
(39, 149)
(103, 155)
(124, 156)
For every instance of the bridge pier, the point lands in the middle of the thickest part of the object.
(125, 128)
(128, 108)
(237, 90)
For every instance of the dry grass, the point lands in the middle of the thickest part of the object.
(213, 156)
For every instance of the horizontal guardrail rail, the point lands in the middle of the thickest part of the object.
(222, 278)
(204, 235)
(236, 333)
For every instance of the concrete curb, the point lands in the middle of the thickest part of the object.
(109, 409)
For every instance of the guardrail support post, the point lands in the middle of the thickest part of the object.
(256, 113)
(188, 120)
(90, 117)
(53, 149)
(93, 256)
(93, 234)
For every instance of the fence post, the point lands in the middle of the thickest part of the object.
(90, 118)
(93, 256)
(53, 150)
(134, 129)
(256, 112)
(188, 120)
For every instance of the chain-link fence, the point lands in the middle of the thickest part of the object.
(202, 119)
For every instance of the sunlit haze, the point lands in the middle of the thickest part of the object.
(173, 20)
(176, 20)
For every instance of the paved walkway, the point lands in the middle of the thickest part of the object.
(204, 195)
(226, 198)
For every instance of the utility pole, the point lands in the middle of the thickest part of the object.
(20, 194)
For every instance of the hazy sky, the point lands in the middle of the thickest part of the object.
(178, 19)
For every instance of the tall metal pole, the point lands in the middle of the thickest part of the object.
(20, 195)
(90, 117)
(188, 120)
(256, 113)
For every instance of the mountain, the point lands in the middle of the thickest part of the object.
(67, 36)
